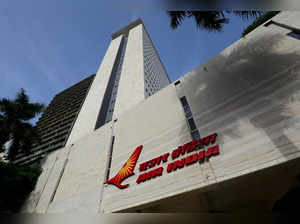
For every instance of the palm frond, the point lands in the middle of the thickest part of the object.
(247, 14)
(176, 18)
(13, 125)
(208, 20)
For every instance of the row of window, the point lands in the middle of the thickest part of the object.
(116, 84)
(189, 116)
(153, 68)
(151, 76)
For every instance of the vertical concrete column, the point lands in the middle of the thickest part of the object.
(131, 87)
(87, 117)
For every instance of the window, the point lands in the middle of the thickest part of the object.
(189, 116)
(183, 101)
(187, 111)
(192, 124)
(110, 157)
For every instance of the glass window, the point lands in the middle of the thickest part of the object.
(187, 111)
(192, 124)
(183, 101)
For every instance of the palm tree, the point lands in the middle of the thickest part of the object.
(14, 125)
(208, 20)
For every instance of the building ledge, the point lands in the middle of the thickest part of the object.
(126, 29)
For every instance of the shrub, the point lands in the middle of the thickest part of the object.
(15, 185)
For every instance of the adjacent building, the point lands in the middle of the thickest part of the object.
(57, 121)
(222, 138)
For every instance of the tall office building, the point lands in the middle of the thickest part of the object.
(130, 72)
(128, 152)
(56, 122)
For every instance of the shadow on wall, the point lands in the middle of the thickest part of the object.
(278, 84)
(256, 81)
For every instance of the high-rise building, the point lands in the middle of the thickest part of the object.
(130, 72)
(128, 152)
(56, 122)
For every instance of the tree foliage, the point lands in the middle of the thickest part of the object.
(15, 185)
(14, 125)
(208, 20)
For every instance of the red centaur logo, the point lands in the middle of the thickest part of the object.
(126, 170)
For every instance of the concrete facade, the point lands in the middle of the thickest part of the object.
(249, 94)
(120, 82)
(56, 122)
(82, 189)
(88, 115)
(131, 88)
(137, 75)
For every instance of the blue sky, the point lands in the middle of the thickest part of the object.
(49, 45)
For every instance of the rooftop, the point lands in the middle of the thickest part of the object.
(126, 29)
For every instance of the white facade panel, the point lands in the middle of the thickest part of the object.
(88, 115)
(159, 125)
(35, 197)
(80, 188)
(53, 179)
(248, 95)
(131, 86)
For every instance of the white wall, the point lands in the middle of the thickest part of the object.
(131, 85)
(249, 94)
(35, 196)
(80, 188)
(86, 120)
(159, 125)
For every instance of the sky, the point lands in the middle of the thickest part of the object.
(47, 46)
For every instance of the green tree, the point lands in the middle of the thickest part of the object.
(208, 20)
(14, 125)
(16, 184)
